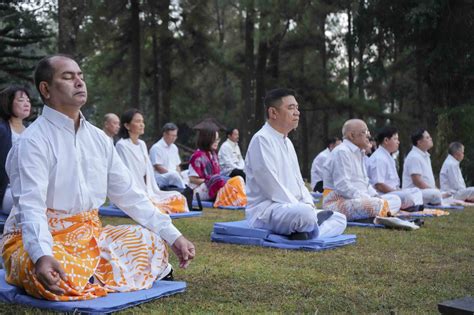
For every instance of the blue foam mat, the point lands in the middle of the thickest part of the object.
(238, 232)
(364, 224)
(445, 207)
(113, 211)
(210, 204)
(110, 303)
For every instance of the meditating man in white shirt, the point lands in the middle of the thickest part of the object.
(318, 164)
(383, 174)
(450, 176)
(278, 199)
(346, 185)
(61, 170)
(111, 125)
(164, 156)
(230, 159)
(417, 171)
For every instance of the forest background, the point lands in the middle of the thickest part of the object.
(408, 63)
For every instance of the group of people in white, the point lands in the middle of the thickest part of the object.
(62, 168)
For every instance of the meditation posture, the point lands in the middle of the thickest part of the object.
(165, 159)
(230, 159)
(134, 155)
(61, 170)
(111, 125)
(383, 174)
(278, 199)
(346, 185)
(450, 176)
(14, 108)
(417, 171)
(318, 164)
(205, 175)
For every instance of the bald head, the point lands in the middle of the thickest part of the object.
(356, 131)
(111, 124)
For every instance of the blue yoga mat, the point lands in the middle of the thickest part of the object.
(238, 232)
(110, 303)
(210, 204)
(363, 224)
(113, 211)
(445, 207)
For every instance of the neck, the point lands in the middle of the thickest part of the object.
(70, 111)
(422, 149)
(278, 128)
(16, 124)
(108, 133)
(134, 138)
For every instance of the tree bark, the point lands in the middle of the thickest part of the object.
(165, 46)
(135, 54)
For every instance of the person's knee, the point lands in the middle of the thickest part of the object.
(304, 218)
(338, 218)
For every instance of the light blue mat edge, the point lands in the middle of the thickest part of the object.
(210, 204)
(111, 303)
(116, 212)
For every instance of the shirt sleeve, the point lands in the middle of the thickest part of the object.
(377, 171)
(155, 156)
(225, 157)
(341, 175)
(28, 167)
(414, 166)
(134, 202)
(262, 162)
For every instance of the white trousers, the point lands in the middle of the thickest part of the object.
(409, 197)
(465, 194)
(290, 218)
(7, 203)
(172, 178)
(432, 196)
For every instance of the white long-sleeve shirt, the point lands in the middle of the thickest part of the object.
(52, 166)
(417, 162)
(381, 169)
(317, 167)
(345, 172)
(273, 174)
(165, 155)
(230, 157)
(450, 176)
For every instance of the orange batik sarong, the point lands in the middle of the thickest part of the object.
(232, 193)
(174, 203)
(96, 260)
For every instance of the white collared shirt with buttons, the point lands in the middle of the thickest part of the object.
(450, 176)
(382, 170)
(417, 162)
(165, 155)
(230, 157)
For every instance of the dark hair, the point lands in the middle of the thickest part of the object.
(7, 96)
(44, 71)
(386, 132)
(454, 147)
(417, 135)
(332, 140)
(169, 127)
(206, 138)
(126, 118)
(273, 98)
(229, 131)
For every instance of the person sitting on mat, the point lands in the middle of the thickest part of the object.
(346, 185)
(383, 174)
(318, 164)
(417, 171)
(450, 176)
(134, 155)
(230, 159)
(278, 199)
(205, 175)
(61, 170)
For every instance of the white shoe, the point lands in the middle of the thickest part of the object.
(396, 223)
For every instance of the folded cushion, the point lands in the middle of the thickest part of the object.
(110, 303)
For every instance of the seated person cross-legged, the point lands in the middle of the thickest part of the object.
(417, 170)
(450, 176)
(383, 172)
(278, 199)
(134, 155)
(347, 189)
(205, 177)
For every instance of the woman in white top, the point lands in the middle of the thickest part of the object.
(134, 154)
(15, 106)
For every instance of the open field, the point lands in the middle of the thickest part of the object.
(385, 271)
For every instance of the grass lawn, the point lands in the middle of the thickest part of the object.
(385, 271)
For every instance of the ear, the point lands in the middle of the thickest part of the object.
(272, 112)
(44, 89)
(126, 125)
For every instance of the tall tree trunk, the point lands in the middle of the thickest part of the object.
(70, 16)
(350, 57)
(135, 54)
(156, 83)
(260, 73)
(166, 46)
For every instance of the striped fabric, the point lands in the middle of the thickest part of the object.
(232, 194)
(173, 204)
(96, 260)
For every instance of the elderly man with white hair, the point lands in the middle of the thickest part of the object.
(347, 189)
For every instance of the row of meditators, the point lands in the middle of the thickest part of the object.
(62, 168)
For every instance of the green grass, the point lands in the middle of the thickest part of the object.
(386, 271)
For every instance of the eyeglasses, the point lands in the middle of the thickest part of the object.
(365, 133)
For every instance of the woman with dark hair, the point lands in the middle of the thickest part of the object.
(134, 154)
(204, 174)
(14, 107)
